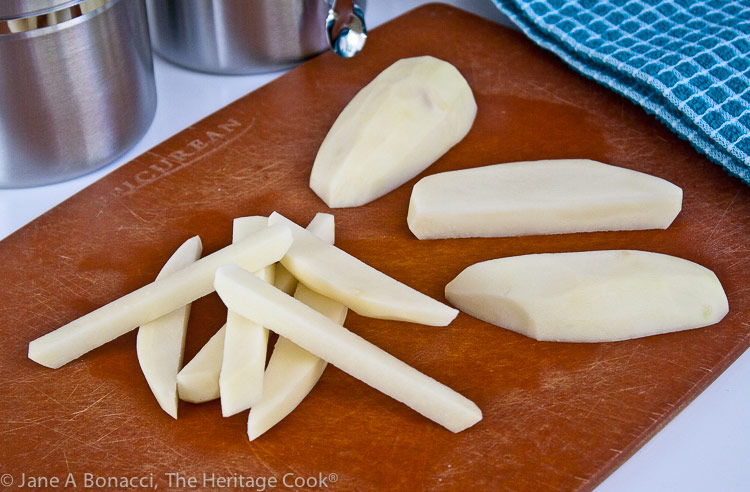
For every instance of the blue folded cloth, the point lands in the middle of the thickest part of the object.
(686, 61)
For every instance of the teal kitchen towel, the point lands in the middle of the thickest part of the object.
(686, 61)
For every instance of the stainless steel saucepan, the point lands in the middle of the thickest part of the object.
(76, 86)
(251, 36)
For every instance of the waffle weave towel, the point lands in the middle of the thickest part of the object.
(687, 61)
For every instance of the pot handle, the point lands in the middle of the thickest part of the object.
(352, 35)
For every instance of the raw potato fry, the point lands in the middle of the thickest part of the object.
(292, 371)
(161, 342)
(284, 281)
(155, 299)
(333, 273)
(322, 225)
(198, 381)
(540, 197)
(394, 128)
(245, 343)
(249, 296)
(590, 296)
(243, 363)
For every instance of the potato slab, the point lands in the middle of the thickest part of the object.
(540, 197)
(590, 296)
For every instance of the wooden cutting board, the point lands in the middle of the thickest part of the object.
(557, 416)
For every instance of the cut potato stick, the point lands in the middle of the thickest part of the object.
(284, 281)
(334, 273)
(243, 363)
(251, 297)
(540, 197)
(322, 225)
(160, 343)
(590, 296)
(155, 299)
(198, 380)
(292, 371)
(245, 343)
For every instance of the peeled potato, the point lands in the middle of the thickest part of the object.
(292, 371)
(161, 342)
(540, 197)
(198, 381)
(249, 296)
(393, 129)
(334, 273)
(323, 226)
(590, 296)
(245, 342)
(156, 299)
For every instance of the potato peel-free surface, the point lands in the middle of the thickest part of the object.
(155, 299)
(590, 296)
(161, 342)
(249, 296)
(292, 371)
(245, 342)
(540, 197)
(396, 126)
(334, 273)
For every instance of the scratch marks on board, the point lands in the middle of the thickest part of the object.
(87, 408)
(723, 215)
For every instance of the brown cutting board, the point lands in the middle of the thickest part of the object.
(557, 416)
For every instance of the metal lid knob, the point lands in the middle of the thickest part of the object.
(352, 35)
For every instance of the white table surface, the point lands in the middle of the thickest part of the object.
(705, 448)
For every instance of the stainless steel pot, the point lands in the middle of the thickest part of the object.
(76, 86)
(251, 36)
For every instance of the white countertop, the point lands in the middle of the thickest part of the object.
(705, 448)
